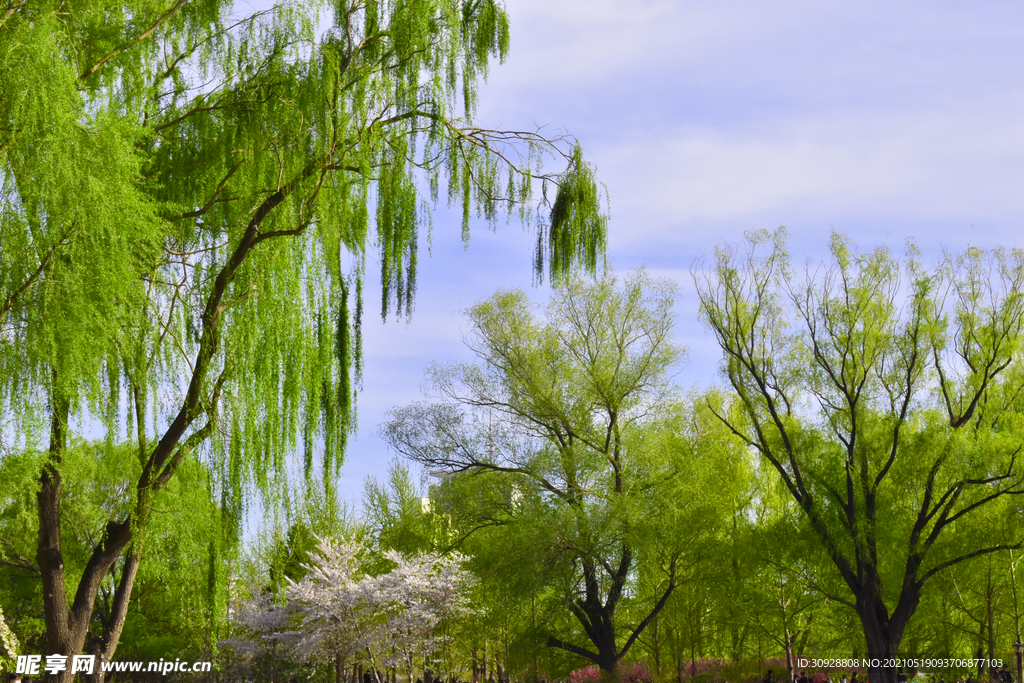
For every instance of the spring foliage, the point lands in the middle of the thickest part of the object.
(886, 399)
(568, 446)
(188, 198)
(8, 641)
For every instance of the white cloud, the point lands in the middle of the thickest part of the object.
(938, 165)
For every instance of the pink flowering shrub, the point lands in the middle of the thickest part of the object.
(588, 675)
(703, 665)
(628, 673)
(633, 673)
(707, 670)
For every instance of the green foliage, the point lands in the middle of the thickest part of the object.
(141, 169)
(279, 552)
(570, 237)
(398, 518)
(9, 643)
(511, 439)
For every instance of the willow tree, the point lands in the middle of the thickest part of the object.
(886, 399)
(187, 201)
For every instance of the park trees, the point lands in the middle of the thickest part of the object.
(886, 399)
(563, 436)
(187, 199)
(398, 518)
(699, 619)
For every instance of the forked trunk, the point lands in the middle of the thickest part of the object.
(882, 633)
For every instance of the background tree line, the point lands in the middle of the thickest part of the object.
(607, 516)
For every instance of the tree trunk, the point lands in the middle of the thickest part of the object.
(611, 674)
(788, 639)
(880, 648)
(103, 648)
(990, 625)
(61, 638)
(656, 645)
(882, 633)
(607, 652)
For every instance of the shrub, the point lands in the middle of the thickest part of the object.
(635, 672)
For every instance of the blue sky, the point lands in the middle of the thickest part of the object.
(882, 120)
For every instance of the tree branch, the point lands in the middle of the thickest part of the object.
(145, 34)
(575, 649)
(654, 612)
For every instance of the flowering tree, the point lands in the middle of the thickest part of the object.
(334, 604)
(422, 594)
(269, 637)
(8, 642)
(340, 610)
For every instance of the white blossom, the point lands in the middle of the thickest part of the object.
(8, 642)
(262, 625)
(341, 610)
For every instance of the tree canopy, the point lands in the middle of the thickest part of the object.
(886, 399)
(190, 198)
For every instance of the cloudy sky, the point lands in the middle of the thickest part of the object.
(707, 118)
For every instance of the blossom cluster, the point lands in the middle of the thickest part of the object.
(341, 609)
(8, 642)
